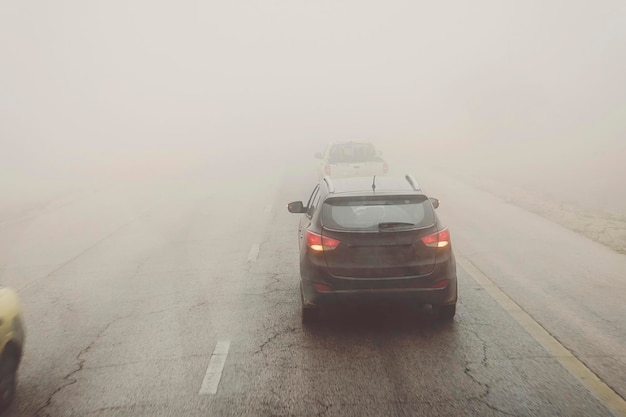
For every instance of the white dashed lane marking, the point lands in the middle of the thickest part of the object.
(214, 371)
(254, 252)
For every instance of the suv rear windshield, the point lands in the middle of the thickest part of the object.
(377, 213)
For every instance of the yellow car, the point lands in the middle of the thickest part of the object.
(11, 343)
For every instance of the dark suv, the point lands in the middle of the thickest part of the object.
(369, 238)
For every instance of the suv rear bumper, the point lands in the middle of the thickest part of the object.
(413, 290)
(435, 296)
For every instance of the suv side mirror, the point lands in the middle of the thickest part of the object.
(435, 202)
(296, 207)
(318, 155)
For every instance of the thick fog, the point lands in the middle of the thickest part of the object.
(532, 92)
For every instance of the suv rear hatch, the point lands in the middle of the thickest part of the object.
(380, 236)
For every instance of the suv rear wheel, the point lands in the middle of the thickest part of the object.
(447, 312)
(310, 315)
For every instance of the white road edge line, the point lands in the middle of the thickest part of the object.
(254, 252)
(214, 371)
(565, 357)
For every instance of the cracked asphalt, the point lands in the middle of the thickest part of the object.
(127, 291)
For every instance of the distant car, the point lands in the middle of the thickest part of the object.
(369, 238)
(11, 344)
(350, 159)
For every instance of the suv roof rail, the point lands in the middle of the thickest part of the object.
(329, 184)
(413, 183)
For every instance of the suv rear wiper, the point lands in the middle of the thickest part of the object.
(395, 225)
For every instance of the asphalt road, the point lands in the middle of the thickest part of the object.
(178, 296)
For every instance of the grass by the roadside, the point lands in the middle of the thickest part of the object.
(604, 227)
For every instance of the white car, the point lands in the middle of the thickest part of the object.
(11, 345)
(351, 159)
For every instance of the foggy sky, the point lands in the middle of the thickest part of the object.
(96, 88)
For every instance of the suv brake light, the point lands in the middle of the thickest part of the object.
(385, 168)
(439, 239)
(327, 170)
(319, 242)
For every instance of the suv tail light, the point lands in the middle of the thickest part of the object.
(327, 170)
(385, 168)
(319, 242)
(439, 239)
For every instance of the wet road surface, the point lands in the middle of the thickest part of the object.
(179, 297)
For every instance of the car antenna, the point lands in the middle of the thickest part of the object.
(374, 184)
